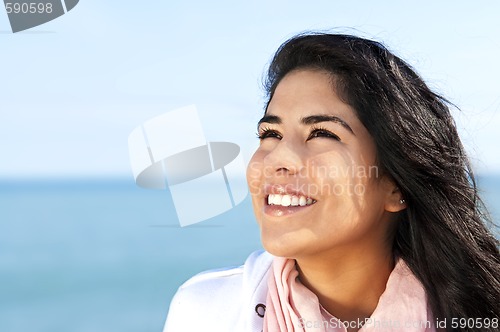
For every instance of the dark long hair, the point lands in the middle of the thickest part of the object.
(442, 234)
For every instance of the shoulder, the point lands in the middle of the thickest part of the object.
(213, 299)
(221, 280)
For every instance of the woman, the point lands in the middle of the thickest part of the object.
(367, 205)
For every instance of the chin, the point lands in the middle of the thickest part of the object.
(285, 245)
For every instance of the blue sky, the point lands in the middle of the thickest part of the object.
(73, 89)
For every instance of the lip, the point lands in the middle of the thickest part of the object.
(284, 189)
(283, 211)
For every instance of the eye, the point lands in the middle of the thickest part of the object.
(268, 133)
(321, 132)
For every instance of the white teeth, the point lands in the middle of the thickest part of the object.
(288, 200)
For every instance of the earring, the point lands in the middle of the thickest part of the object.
(402, 201)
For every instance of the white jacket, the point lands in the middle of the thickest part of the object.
(222, 300)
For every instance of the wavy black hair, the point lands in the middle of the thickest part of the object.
(442, 234)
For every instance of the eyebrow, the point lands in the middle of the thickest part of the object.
(273, 119)
(309, 120)
(313, 119)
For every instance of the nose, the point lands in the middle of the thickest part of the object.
(284, 159)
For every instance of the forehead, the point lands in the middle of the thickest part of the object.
(307, 92)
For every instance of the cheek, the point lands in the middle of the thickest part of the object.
(342, 167)
(332, 174)
(254, 174)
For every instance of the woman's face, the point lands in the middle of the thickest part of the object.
(314, 181)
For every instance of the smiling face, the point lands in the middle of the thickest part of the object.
(314, 180)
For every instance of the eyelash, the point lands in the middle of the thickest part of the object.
(328, 133)
(271, 133)
(267, 132)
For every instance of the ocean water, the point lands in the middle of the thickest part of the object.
(92, 255)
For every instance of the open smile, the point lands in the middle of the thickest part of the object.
(289, 200)
(282, 201)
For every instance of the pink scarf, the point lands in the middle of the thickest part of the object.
(292, 307)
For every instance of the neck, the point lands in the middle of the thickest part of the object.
(348, 281)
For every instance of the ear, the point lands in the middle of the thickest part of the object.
(394, 200)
